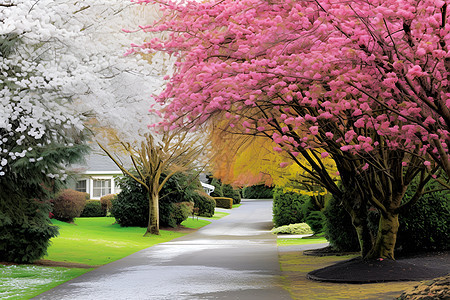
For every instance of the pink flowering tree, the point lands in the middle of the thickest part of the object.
(365, 83)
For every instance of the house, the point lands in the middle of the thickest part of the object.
(208, 187)
(96, 176)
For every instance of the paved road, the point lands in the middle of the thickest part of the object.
(232, 258)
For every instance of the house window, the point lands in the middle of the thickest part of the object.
(81, 186)
(101, 187)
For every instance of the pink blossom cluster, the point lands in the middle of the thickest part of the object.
(350, 75)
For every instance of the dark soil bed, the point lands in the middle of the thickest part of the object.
(415, 267)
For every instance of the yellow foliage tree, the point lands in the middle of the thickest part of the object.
(250, 159)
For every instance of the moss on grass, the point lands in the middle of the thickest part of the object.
(295, 266)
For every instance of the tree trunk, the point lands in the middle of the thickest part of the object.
(153, 220)
(386, 237)
(355, 204)
(363, 232)
(359, 221)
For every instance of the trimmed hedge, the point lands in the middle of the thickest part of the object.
(93, 208)
(287, 207)
(225, 190)
(68, 205)
(257, 192)
(224, 202)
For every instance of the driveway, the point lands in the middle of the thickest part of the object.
(232, 258)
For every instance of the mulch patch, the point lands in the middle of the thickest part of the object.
(414, 268)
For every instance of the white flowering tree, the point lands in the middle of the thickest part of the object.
(61, 64)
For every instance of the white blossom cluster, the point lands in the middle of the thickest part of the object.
(66, 61)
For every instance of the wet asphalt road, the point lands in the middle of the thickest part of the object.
(232, 258)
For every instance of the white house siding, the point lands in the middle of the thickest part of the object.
(96, 176)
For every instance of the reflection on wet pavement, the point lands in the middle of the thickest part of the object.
(232, 258)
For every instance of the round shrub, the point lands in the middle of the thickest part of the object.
(205, 203)
(106, 203)
(287, 207)
(25, 231)
(130, 207)
(218, 191)
(338, 227)
(93, 208)
(257, 192)
(68, 205)
(229, 192)
(174, 191)
(300, 228)
(315, 220)
(312, 215)
(182, 211)
(425, 226)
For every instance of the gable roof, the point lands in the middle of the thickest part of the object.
(96, 162)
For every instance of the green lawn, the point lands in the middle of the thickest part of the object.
(26, 281)
(92, 241)
(300, 241)
(217, 215)
(83, 241)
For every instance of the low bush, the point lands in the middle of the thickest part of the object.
(106, 203)
(425, 226)
(130, 207)
(25, 231)
(300, 228)
(204, 203)
(68, 205)
(315, 220)
(229, 192)
(224, 202)
(257, 192)
(93, 208)
(218, 191)
(338, 227)
(182, 210)
(313, 215)
(287, 207)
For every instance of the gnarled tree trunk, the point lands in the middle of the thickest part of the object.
(386, 237)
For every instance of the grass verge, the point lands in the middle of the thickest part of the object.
(300, 241)
(83, 241)
(80, 243)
